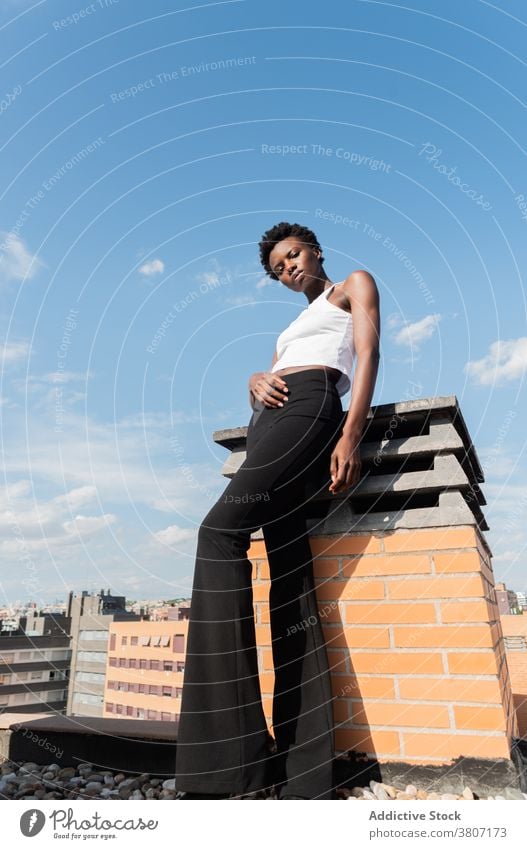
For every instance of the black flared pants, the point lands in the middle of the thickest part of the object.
(223, 744)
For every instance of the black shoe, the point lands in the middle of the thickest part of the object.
(182, 795)
(256, 794)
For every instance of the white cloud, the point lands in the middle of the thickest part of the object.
(413, 335)
(209, 277)
(63, 377)
(498, 462)
(16, 262)
(393, 320)
(264, 281)
(506, 361)
(87, 525)
(31, 525)
(11, 492)
(236, 300)
(174, 535)
(129, 463)
(24, 514)
(155, 266)
(12, 352)
(76, 498)
(53, 393)
(103, 500)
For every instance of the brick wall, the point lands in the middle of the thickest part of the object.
(414, 642)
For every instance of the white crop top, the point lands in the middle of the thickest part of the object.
(321, 335)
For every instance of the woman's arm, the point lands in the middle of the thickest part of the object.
(364, 298)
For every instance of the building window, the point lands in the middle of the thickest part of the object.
(133, 641)
(59, 654)
(119, 709)
(144, 640)
(90, 677)
(142, 664)
(124, 641)
(165, 640)
(93, 635)
(109, 707)
(179, 692)
(168, 666)
(151, 714)
(178, 644)
(140, 713)
(515, 642)
(113, 661)
(92, 656)
(167, 691)
(166, 717)
(155, 664)
(180, 666)
(142, 688)
(129, 710)
(87, 699)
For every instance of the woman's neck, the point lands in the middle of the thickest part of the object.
(319, 285)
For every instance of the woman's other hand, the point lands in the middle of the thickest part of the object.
(345, 464)
(268, 388)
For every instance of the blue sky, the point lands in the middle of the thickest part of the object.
(144, 150)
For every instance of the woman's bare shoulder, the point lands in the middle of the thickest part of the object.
(360, 285)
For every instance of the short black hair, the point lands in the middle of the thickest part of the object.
(280, 231)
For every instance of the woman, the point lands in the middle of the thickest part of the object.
(296, 435)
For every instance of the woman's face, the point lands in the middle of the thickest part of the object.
(295, 263)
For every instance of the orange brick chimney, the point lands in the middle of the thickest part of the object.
(406, 597)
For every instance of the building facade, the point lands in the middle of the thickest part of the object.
(92, 616)
(34, 673)
(146, 661)
(506, 599)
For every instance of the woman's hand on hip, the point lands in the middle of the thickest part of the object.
(345, 464)
(268, 388)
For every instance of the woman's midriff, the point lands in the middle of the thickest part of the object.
(332, 371)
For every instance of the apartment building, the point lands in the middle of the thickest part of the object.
(34, 667)
(507, 600)
(92, 616)
(146, 661)
(515, 639)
